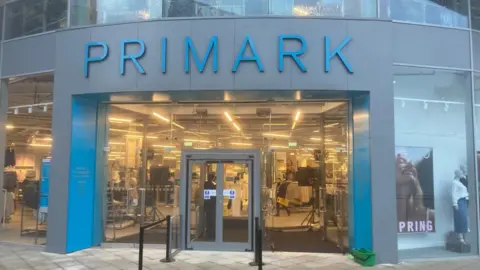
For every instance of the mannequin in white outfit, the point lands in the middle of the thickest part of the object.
(460, 206)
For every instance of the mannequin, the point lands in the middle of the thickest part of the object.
(460, 206)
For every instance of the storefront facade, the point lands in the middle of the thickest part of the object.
(408, 92)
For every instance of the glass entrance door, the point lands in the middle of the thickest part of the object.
(220, 197)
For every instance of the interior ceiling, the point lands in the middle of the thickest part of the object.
(27, 91)
(209, 124)
(29, 127)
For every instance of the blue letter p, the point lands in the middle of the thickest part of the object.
(88, 59)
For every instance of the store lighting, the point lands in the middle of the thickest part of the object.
(230, 119)
(15, 111)
(40, 145)
(228, 116)
(275, 124)
(45, 139)
(201, 148)
(176, 151)
(9, 127)
(297, 116)
(161, 117)
(140, 136)
(198, 132)
(45, 108)
(167, 120)
(164, 146)
(116, 143)
(242, 144)
(315, 139)
(195, 140)
(276, 135)
(278, 146)
(124, 130)
(121, 120)
(30, 109)
(177, 125)
(331, 125)
(236, 126)
(170, 158)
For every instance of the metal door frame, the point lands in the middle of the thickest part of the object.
(185, 193)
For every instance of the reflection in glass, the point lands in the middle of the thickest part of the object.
(431, 157)
(475, 13)
(451, 13)
(85, 12)
(329, 8)
(28, 17)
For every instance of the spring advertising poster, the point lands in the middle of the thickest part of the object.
(415, 191)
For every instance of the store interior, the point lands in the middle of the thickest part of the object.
(27, 159)
(304, 147)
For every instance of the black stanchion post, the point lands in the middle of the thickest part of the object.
(258, 245)
(168, 255)
(140, 251)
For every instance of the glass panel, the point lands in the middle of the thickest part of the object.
(332, 8)
(236, 180)
(451, 13)
(24, 190)
(431, 158)
(203, 202)
(28, 17)
(84, 12)
(475, 13)
(272, 125)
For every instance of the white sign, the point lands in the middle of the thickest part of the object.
(207, 193)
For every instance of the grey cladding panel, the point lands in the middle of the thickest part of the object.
(28, 55)
(107, 77)
(431, 46)
(370, 54)
(264, 33)
(175, 78)
(314, 59)
(476, 50)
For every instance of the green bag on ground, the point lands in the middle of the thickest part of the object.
(364, 257)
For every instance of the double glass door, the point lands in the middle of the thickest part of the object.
(219, 203)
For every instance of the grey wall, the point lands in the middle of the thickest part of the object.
(369, 53)
(28, 55)
(431, 46)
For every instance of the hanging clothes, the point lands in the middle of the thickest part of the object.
(10, 160)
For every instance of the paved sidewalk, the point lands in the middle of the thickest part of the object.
(19, 257)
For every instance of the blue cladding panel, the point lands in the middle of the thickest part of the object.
(81, 192)
(361, 201)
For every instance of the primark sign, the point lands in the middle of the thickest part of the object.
(247, 53)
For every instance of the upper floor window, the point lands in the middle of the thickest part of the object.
(28, 17)
(450, 13)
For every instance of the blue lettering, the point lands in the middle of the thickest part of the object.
(336, 52)
(164, 55)
(241, 57)
(133, 58)
(189, 46)
(88, 59)
(294, 55)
